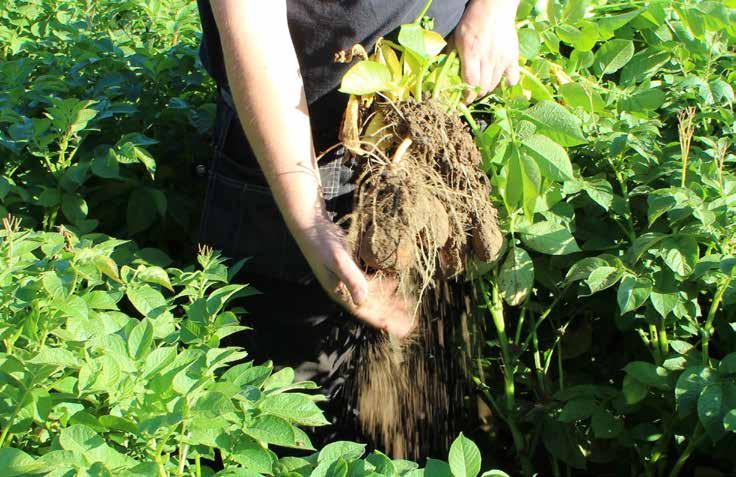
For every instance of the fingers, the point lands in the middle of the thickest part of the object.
(349, 274)
(513, 73)
(386, 309)
(471, 74)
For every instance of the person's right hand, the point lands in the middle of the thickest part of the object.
(372, 299)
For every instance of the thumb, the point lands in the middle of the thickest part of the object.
(350, 274)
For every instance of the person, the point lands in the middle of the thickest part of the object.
(271, 199)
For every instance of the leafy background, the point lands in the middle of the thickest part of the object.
(610, 319)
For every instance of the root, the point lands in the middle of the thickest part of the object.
(422, 211)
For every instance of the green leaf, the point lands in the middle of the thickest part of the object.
(516, 276)
(350, 451)
(15, 462)
(158, 359)
(108, 267)
(529, 43)
(680, 254)
(633, 292)
(600, 191)
(339, 468)
(649, 374)
(273, 430)
(437, 468)
(689, 385)
(664, 303)
(74, 208)
(722, 91)
(464, 457)
(104, 164)
(643, 65)
(411, 36)
(602, 278)
(612, 56)
(100, 300)
(729, 421)
(366, 77)
(140, 339)
(145, 205)
(523, 182)
(283, 377)
(157, 275)
(605, 425)
(556, 122)
(383, 465)
(550, 238)
(643, 101)
(535, 86)
(582, 269)
(552, 158)
(659, 203)
(581, 40)
(296, 407)
(728, 364)
(146, 299)
(578, 409)
(711, 412)
(252, 456)
(634, 390)
(83, 440)
(582, 96)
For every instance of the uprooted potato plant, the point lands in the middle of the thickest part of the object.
(421, 215)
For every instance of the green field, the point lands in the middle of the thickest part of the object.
(611, 316)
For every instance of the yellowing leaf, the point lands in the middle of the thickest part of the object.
(366, 77)
(433, 42)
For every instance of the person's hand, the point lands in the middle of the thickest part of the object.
(488, 45)
(372, 299)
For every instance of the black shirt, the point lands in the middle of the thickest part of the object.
(319, 29)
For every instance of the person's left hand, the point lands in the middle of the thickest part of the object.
(488, 45)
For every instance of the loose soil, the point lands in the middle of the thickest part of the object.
(422, 212)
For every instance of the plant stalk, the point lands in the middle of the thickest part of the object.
(708, 327)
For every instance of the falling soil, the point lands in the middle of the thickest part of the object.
(422, 212)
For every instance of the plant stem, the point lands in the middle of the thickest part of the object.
(664, 343)
(654, 339)
(496, 309)
(519, 325)
(695, 440)
(537, 358)
(560, 369)
(424, 12)
(708, 328)
(546, 313)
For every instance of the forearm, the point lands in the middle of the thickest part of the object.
(263, 74)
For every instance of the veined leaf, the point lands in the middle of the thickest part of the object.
(556, 122)
(516, 276)
(552, 158)
(612, 56)
(633, 292)
(464, 457)
(366, 77)
(550, 238)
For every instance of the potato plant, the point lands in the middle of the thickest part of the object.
(613, 308)
(111, 364)
(90, 94)
(610, 315)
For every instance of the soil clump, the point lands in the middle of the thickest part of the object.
(422, 212)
